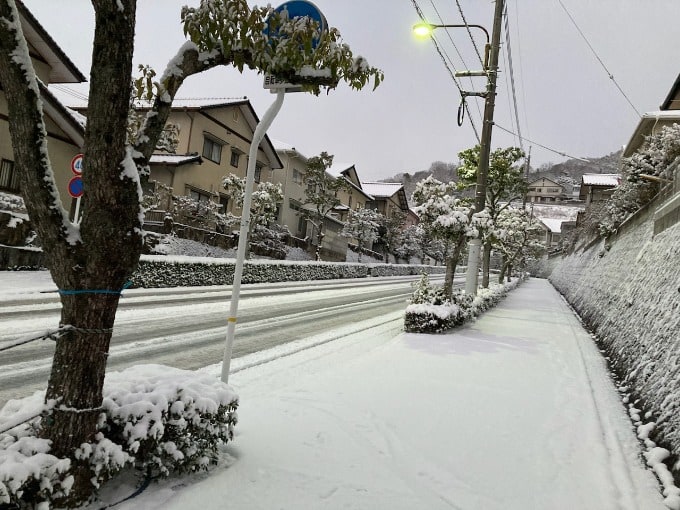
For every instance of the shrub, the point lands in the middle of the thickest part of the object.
(156, 419)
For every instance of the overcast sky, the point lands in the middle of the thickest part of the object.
(566, 101)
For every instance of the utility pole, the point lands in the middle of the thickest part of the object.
(474, 248)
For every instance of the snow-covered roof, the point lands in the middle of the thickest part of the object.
(601, 179)
(650, 123)
(62, 69)
(174, 159)
(336, 169)
(553, 224)
(381, 189)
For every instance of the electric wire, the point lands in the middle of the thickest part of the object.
(465, 66)
(521, 67)
(611, 76)
(474, 44)
(511, 73)
(513, 123)
(448, 68)
(70, 91)
(542, 146)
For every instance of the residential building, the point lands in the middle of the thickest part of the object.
(292, 212)
(388, 197)
(214, 141)
(64, 130)
(598, 187)
(545, 190)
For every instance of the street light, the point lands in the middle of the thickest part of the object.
(425, 30)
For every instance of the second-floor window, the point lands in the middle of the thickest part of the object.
(258, 172)
(212, 150)
(9, 177)
(297, 176)
(235, 157)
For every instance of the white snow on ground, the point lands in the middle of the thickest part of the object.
(514, 411)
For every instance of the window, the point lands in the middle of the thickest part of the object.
(350, 202)
(297, 176)
(9, 178)
(258, 172)
(224, 203)
(212, 150)
(235, 156)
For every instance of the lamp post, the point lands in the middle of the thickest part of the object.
(491, 71)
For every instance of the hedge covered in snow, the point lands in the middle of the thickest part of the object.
(626, 289)
(431, 312)
(162, 271)
(155, 418)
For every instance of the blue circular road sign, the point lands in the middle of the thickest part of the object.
(302, 8)
(75, 187)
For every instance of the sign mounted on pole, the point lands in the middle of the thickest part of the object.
(77, 164)
(75, 187)
(291, 10)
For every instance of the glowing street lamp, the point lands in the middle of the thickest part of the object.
(426, 29)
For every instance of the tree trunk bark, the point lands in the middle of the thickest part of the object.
(486, 259)
(451, 263)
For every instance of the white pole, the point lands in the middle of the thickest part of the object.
(260, 131)
(472, 273)
(76, 214)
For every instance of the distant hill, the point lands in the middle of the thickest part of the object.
(567, 173)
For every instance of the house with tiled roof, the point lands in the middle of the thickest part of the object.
(64, 131)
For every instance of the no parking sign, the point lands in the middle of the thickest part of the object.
(75, 185)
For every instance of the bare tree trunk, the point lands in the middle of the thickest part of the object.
(486, 259)
(319, 240)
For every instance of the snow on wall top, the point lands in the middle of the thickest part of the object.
(381, 189)
(601, 179)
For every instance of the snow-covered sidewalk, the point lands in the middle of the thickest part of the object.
(513, 411)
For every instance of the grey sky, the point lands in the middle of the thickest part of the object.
(566, 100)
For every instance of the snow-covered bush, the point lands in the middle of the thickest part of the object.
(11, 202)
(168, 419)
(156, 418)
(431, 312)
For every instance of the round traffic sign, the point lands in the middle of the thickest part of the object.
(75, 187)
(299, 9)
(77, 164)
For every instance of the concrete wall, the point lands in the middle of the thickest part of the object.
(627, 289)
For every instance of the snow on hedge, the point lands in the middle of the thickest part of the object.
(431, 312)
(155, 418)
(174, 271)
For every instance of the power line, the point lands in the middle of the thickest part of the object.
(542, 146)
(465, 66)
(512, 76)
(453, 76)
(521, 68)
(611, 76)
(474, 44)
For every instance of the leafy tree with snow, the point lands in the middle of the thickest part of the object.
(321, 194)
(517, 238)
(505, 184)
(644, 174)
(390, 231)
(409, 243)
(362, 225)
(263, 207)
(444, 218)
(91, 261)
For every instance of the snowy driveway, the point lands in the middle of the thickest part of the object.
(514, 412)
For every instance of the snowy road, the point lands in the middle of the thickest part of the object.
(186, 327)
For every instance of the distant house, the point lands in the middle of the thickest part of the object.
(65, 131)
(388, 197)
(545, 190)
(355, 197)
(552, 229)
(598, 187)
